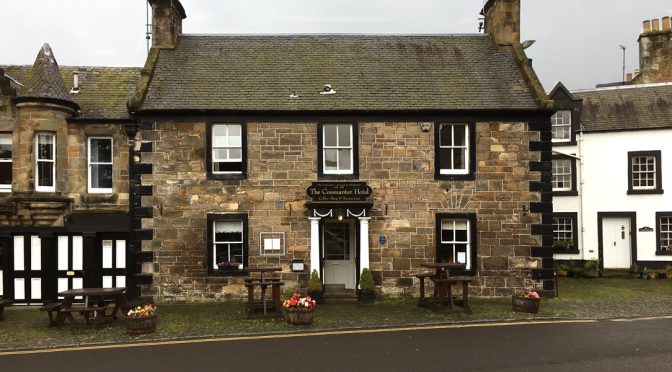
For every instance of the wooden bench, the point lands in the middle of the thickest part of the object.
(443, 293)
(95, 314)
(422, 277)
(52, 310)
(3, 303)
(261, 305)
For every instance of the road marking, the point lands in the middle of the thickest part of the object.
(291, 335)
(641, 318)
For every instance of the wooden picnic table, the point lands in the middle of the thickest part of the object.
(443, 282)
(94, 307)
(259, 306)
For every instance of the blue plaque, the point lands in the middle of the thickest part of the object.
(382, 239)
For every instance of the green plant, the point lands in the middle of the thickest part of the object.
(561, 267)
(366, 282)
(563, 244)
(314, 284)
(591, 265)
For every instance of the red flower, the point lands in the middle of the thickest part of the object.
(293, 302)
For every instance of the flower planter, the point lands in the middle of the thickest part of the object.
(525, 304)
(299, 317)
(140, 326)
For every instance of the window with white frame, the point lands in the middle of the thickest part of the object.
(561, 126)
(227, 149)
(5, 162)
(337, 149)
(45, 162)
(565, 232)
(228, 242)
(562, 229)
(664, 232)
(453, 149)
(100, 164)
(643, 172)
(455, 240)
(562, 174)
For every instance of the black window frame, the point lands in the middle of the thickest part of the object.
(573, 191)
(575, 232)
(355, 152)
(8, 186)
(473, 232)
(211, 218)
(471, 174)
(660, 252)
(208, 151)
(659, 174)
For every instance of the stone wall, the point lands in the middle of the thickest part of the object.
(24, 206)
(395, 159)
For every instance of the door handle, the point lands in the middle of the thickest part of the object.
(614, 244)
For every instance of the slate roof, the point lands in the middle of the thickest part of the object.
(44, 80)
(626, 108)
(368, 72)
(103, 92)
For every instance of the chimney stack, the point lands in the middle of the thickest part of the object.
(655, 52)
(167, 16)
(502, 21)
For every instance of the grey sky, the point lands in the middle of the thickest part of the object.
(577, 40)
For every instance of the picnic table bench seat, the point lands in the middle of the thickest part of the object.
(91, 313)
(52, 310)
(4, 302)
(422, 277)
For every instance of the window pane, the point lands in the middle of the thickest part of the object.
(220, 154)
(459, 159)
(101, 176)
(45, 174)
(101, 150)
(446, 135)
(5, 173)
(330, 162)
(228, 231)
(445, 158)
(6, 146)
(344, 135)
(234, 135)
(227, 166)
(459, 131)
(330, 135)
(344, 160)
(45, 147)
(219, 136)
(235, 154)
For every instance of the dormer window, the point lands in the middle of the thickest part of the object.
(561, 126)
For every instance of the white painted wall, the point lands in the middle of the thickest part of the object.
(605, 186)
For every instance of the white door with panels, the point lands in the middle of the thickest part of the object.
(70, 263)
(114, 263)
(616, 249)
(339, 243)
(27, 269)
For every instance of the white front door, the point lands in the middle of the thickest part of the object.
(338, 245)
(70, 263)
(616, 252)
(27, 269)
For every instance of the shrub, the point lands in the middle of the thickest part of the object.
(314, 284)
(366, 282)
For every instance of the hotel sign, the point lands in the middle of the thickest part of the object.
(339, 191)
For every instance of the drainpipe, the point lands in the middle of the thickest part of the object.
(581, 228)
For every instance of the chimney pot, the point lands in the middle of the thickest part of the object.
(628, 77)
(655, 24)
(666, 23)
(647, 26)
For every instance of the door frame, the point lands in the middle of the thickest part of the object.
(633, 234)
(355, 221)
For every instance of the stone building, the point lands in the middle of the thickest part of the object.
(610, 203)
(338, 153)
(64, 178)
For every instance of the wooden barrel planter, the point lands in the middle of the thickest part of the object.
(140, 326)
(300, 317)
(525, 304)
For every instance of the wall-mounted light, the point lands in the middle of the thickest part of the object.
(425, 127)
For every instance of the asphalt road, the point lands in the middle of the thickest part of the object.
(575, 346)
